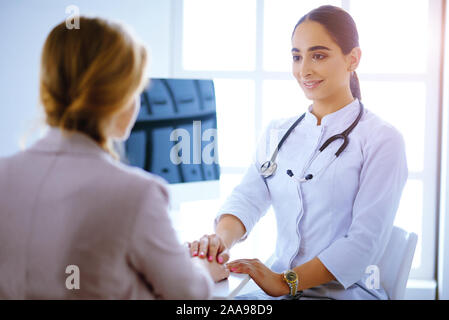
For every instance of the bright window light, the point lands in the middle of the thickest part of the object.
(235, 116)
(393, 35)
(219, 35)
(409, 215)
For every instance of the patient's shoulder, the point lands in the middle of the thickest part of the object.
(138, 180)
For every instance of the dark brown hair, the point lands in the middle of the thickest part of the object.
(342, 29)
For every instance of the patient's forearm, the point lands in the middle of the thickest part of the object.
(312, 274)
(230, 229)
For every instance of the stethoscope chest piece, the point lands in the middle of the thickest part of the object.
(268, 168)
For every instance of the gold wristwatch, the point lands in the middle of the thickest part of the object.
(291, 278)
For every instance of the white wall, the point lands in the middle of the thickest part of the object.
(24, 25)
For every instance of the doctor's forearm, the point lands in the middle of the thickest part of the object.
(230, 229)
(312, 274)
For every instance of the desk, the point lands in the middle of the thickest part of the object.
(229, 288)
(194, 219)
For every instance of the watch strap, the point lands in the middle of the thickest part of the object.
(293, 288)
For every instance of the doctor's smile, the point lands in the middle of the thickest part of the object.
(312, 84)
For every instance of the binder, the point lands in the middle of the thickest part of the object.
(156, 101)
(136, 149)
(185, 96)
(207, 93)
(209, 151)
(159, 155)
(191, 169)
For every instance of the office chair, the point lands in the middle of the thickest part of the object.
(396, 262)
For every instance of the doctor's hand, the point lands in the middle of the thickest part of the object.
(271, 282)
(210, 246)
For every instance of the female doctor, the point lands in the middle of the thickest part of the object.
(334, 179)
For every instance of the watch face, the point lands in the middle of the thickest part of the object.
(290, 276)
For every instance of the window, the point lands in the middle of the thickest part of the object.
(219, 35)
(245, 46)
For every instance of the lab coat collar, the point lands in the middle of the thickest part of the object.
(338, 118)
(58, 141)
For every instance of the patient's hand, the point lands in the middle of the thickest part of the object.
(217, 271)
(210, 246)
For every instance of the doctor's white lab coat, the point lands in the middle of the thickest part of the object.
(343, 215)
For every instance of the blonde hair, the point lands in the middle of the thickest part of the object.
(90, 74)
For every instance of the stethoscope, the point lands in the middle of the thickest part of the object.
(268, 168)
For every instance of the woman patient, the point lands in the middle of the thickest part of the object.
(75, 223)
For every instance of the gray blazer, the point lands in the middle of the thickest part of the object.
(64, 202)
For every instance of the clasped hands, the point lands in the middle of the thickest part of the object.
(213, 249)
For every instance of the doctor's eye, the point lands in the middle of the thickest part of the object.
(296, 58)
(318, 56)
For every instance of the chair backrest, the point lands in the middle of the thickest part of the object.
(396, 262)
